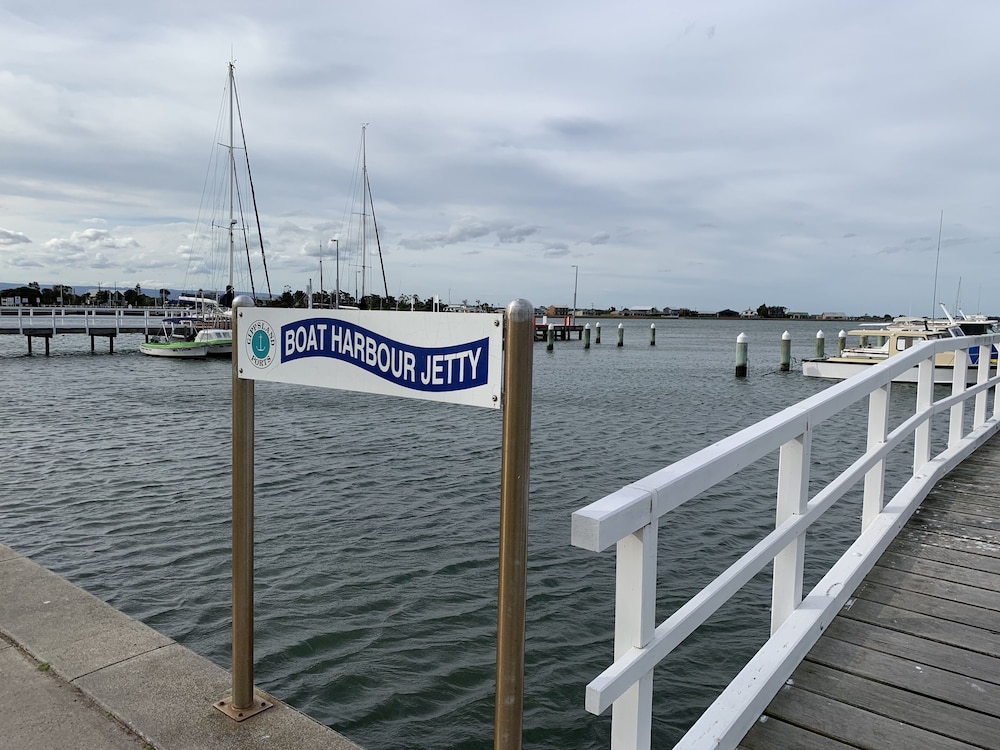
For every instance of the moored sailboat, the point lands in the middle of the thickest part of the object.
(207, 330)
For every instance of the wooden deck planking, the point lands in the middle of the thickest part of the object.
(913, 658)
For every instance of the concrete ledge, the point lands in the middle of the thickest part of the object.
(160, 690)
(42, 712)
(61, 624)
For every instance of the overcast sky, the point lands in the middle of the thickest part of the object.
(678, 153)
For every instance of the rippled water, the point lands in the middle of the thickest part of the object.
(377, 521)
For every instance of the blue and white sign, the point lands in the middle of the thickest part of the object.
(451, 357)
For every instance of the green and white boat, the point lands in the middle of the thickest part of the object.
(182, 338)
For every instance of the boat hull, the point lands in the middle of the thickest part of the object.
(834, 369)
(220, 350)
(175, 349)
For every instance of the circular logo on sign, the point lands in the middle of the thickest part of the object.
(260, 339)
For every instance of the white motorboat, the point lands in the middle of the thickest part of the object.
(871, 345)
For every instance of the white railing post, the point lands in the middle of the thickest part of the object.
(925, 397)
(635, 622)
(793, 496)
(956, 415)
(878, 424)
(982, 375)
(995, 371)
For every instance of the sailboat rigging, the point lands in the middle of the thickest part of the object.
(358, 229)
(253, 194)
(223, 230)
(207, 330)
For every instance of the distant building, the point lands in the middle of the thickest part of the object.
(748, 313)
(833, 316)
(641, 311)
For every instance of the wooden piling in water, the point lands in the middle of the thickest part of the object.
(621, 334)
(652, 334)
(820, 344)
(597, 335)
(586, 336)
(786, 352)
(551, 338)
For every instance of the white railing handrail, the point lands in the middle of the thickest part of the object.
(629, 518)
(35, 320)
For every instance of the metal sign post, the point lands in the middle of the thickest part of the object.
(242, 704)
(515, 461)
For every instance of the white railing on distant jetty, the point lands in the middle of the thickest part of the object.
(629, 518)
(98, 320)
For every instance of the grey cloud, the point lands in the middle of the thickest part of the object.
(101, 261)
(601, 238)
(7, 237)
(581, 128)
(468, 231)
(90, 239)
(515, 234)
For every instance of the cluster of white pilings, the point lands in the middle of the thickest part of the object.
(742, 345)
(784, 363)
(550, 336)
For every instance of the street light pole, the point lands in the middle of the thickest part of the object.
(336, 245)
(576, 276)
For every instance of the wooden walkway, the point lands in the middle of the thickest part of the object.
(913, 660)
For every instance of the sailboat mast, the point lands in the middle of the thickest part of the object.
(364, 209)
(232, 172)
(937, 261)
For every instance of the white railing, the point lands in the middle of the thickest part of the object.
(39, 320)
(629, 519)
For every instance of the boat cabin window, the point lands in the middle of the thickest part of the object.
(905, 342)
(956, 331)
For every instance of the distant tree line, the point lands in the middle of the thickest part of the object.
(288, 298)
(61, 294)
(772, 311)
(33, 295)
